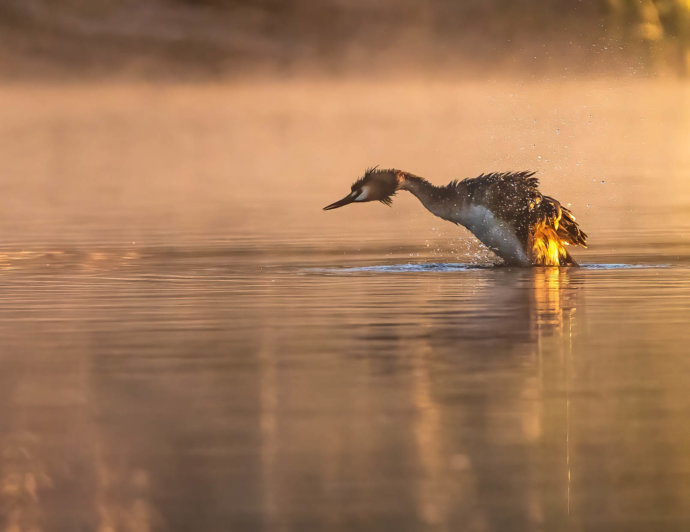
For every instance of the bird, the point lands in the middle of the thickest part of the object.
(504, 210)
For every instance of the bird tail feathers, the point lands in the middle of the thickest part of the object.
(555, 229)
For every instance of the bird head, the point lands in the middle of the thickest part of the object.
(374, 185)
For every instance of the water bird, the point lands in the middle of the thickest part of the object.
(505, 211)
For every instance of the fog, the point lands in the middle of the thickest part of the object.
(189, 342)
(221, 39)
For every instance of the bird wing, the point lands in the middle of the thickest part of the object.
(510, 196)
(541, 223)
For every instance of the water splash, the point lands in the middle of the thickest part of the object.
(444, 267)
(405, 268)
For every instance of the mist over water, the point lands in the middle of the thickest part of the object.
(128, 162)
(232, 39)
(188, 342)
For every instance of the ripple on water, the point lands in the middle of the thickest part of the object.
(622, 266)
(460, 267)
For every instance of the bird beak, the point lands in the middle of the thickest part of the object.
(346, 200)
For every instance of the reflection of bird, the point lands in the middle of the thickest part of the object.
(505, 211)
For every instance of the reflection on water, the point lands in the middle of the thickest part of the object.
(207, 350)
(212, 395)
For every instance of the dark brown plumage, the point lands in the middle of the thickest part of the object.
(505, 211)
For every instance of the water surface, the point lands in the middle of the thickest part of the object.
(188, 342)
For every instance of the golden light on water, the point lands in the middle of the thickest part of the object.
(189, 342)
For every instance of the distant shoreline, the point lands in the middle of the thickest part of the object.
(192, 40)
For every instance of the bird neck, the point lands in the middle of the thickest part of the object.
(430, 195)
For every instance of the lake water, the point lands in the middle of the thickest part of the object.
(187, 342)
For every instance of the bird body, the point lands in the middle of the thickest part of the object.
(493, 233)
(505, 211)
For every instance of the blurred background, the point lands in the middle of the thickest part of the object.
(192, 39)
(188, 342)
(125, 118)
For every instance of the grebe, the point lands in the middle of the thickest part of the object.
(505, 211)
